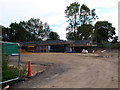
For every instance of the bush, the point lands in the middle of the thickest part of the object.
(11, 72)
(8, 72)
(23, 70)
(112, 45)
(115, 45)
(101, 46)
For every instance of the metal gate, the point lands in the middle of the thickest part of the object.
(10, 61)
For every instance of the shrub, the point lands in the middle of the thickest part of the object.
(112, 45)
(11, 72)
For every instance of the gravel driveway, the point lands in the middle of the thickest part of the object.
(73, 70)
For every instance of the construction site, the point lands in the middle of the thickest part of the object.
(60, 44)
(98, 69)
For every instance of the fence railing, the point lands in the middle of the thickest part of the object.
(10, 61)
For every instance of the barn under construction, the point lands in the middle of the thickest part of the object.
(59, 46)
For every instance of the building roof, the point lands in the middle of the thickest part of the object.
(61, 42)
(50, 42)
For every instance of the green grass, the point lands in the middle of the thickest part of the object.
(11, 72)
(113, 45)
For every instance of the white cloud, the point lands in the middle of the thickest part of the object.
(62, 32)
(101, 3)
(111, 17)
(51, 11)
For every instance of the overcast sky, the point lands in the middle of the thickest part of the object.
(52, 12)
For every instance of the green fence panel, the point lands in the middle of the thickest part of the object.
(9, 49)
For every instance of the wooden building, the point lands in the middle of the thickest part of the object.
(59, 46)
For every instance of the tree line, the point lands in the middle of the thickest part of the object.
(80, 25)
(28, 31)
(80, 19)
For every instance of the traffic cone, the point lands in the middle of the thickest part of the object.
(29, 69)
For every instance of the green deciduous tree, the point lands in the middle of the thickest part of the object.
(104, 31)
(87, 16)
(115, 39)
(78, 16)
(26, 31)
(21, 34)
(16, 33)
(70, 36)
(72, 13)
(85, 32)
(53, 36)
(6, 34)
(1, 32)
(37, 28)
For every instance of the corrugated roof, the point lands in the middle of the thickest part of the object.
(80, 42)
(50, 42)
(59, 42)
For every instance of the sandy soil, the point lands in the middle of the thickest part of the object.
(73, 70)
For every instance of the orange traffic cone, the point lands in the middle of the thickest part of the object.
(29, 69)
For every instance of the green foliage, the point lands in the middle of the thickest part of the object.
(1, 32)
(16, 33)
(21, 33)
(112, 45)
(80, 26)
(11, 72)
(70, 36)
(26, 31)
(37, 28)
(103, 32)
(4, 61)
(78, 18)
(87, 16)
(72, 10)
(85, 31)
(53, 36)
(115, 45)
(7, 71)
(72, 13)
(23, 70)
(101, 46)
(115, 39)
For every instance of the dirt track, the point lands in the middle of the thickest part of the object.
(74, 70)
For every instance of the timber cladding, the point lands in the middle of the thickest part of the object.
(58, 46)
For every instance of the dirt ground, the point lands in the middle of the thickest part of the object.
(72, 70)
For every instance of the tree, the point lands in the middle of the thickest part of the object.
(16, 33)
(53, 36)
(26, 31)
(115, 39)
(37, 28)
(78, 16)
(104, 31)
(1, 32)
(6, 34)
(70, 36)
(72, 13)
(1, 27)
(87, 16)
(85, 32)
(21, 34)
